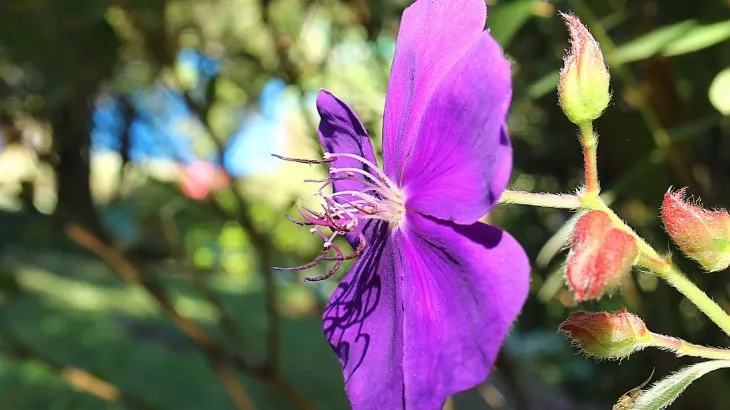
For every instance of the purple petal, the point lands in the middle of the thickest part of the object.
(423, 313)
(503, 164)
(460, 163)
(340, 131)
(464, 286)
(363, 324)
(433, 36)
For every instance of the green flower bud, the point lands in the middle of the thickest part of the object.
(607, 335)
(583, 90)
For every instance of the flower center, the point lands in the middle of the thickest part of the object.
(379, 197)
(373, 196)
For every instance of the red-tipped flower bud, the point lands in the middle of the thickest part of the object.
(701, 234)
(607, 335)
(600, 256)
(583, 89)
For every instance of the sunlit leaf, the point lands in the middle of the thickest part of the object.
(698, 38)
(651, 43)
(720, 92)
(680, 38)
(505, 21)
(544, 85)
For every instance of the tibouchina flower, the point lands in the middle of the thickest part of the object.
(425, 307)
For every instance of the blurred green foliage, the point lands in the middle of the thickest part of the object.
(63, 311)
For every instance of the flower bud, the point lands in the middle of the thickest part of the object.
(607, 335)
(600, 256)
(583, 89)
(701, 234)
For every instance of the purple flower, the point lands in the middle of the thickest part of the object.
(425, 307)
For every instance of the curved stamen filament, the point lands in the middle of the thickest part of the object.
(381, 187)
(384, 194)
(369, 176)
(339, 260)
(358, 194)
(381, 174)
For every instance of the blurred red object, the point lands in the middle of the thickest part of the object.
(199, 178)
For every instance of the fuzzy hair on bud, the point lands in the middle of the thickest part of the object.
(600, 256)
(701, 234)
(605, 335)
(583, 90)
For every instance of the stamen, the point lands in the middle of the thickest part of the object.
(304, 161)
(339, 261)
(381, 174)
(294, 221)
(344, 211)
(382, 184)
(365, 197)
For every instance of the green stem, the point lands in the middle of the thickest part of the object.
(684, 348)
(589, 142)
(699, 298)
(648, 258)
(664, 268)
(563, 201)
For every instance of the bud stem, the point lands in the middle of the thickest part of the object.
(647, 112)
(682, 347)
(665, 269)
(589, 143)
(649, 258)
(704, 303)
(563, 201)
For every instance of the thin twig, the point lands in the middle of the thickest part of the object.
(216, 355)
(225, 321)
(511, 378)
(268, 370)
(79, 379)
(260, 240)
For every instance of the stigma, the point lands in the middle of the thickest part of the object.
(373, 196)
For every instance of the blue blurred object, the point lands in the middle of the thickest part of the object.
(156, 131)
(207, 66)
(160, 129)
(261, 133)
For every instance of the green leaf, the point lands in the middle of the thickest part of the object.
(681, 38)
(720, 92)
(506, 20)
(677, 39)
(699, 38)
(662, 393)
(544, 85)
(651, 43)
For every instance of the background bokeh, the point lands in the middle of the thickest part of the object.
(141, 211)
